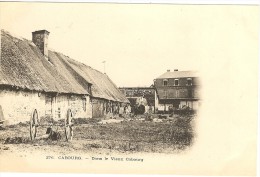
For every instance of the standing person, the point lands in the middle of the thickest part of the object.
(129, 108)
(121, 111)
(125, 111)
(115, 111)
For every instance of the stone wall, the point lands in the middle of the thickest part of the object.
(18, 106)
(80, 106)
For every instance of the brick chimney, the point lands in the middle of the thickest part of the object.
(40, 39)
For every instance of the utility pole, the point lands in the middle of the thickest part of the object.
(104, 62)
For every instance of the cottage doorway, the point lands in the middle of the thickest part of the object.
(96, 109)
(50, 107)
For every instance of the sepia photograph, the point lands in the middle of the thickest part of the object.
(120, 88)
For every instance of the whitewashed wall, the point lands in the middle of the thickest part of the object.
(18, 106)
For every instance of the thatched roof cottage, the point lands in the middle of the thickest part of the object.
(32, 76)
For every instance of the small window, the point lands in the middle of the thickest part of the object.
(176, 82)
(165, 82)
(189, 81)
(84, 104)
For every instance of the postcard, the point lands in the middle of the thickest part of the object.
(117, 88)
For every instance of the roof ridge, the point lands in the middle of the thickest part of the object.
(78, 62)
(51, 49)
(62, 78)
(186, 73)
(13, 35)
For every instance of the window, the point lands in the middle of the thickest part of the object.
(84, 103)
(165, 93)
(165, 82)
(189, 81)
(176, 82)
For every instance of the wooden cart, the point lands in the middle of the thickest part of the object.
(66, 124)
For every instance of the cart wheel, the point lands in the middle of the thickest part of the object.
(33, 124)
(68, 126)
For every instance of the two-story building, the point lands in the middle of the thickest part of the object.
(177, 90)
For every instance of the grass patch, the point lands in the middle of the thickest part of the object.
(85, 121)
(140, 136)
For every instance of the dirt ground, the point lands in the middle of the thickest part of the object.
(96, 136)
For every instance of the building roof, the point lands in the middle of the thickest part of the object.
(178, 74)
(103, 86)
(24, 66)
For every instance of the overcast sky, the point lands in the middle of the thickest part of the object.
(139, 42)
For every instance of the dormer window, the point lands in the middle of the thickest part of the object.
(176, 82)
(165, 82)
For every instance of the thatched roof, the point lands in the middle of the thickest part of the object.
(23, 66)
(102, 87)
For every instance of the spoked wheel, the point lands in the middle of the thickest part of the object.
(33, 125)
(68, 126)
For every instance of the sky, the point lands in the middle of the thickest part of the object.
(139, 42)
